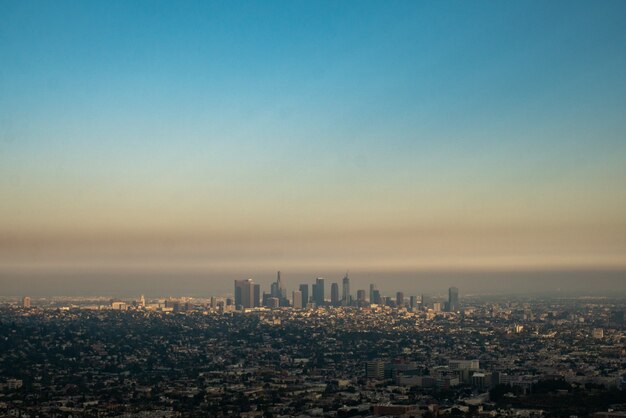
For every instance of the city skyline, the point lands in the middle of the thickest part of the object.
(503, 357)
(330, 209)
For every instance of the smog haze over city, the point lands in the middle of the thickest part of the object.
(312, 208)
(208, 141)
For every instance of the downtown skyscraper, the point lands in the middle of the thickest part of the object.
(304, 290)
(453, 299)
(318, 291)
(345, 293)
(334, 294)
(247, 294)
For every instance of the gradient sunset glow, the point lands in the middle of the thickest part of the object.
(311, 136)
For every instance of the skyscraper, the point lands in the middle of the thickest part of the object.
(282, 291)
(244, 293)
(399, 299)
(345, 291)
(334, 294)
(453, 299)
(297, 299)
(256, 300)
(360, 296)
(375, 297)
(314, 293)
(26, 302)
(277, 289)
(304, 289)
(318, 292)
(372, 288)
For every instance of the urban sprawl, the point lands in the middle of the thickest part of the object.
(302, 354)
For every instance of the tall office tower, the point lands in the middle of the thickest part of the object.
(413, 302)
(360, 295)
(26, 302)
(453, 299)
(372, 288)
(213, 302)
(282, 291)
(318, 292)
(334, 294)
(278, 290)
(314, 293)
(142, 301)
(244, 293)
(375, 297)
(345, 291)
(257, 296)
(399, 299)
(265, 298)
(304, 289)
(297, 299)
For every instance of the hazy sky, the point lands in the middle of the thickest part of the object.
(151, 136)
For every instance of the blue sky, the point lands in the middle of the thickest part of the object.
(231, 119)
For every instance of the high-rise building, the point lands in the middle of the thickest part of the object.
(278, 290)
(245, 293)
(453, 299)
(318, 292)
(314, 293)
(399, 299)
(282, 290)
(257, 296)
(413, 302)
(334, 294)
(304, 289)
(26, 302)
(345, 291)
(376, 297)
(142, 301)
(360, 295)
(372, 288)
(297, 299)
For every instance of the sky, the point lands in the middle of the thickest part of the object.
(231, 139)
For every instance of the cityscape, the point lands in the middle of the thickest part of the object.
(315, 352)
(320, 208)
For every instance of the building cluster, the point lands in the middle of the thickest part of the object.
(192, 357)
(248, 296)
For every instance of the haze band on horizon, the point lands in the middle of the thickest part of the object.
(234, 137)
